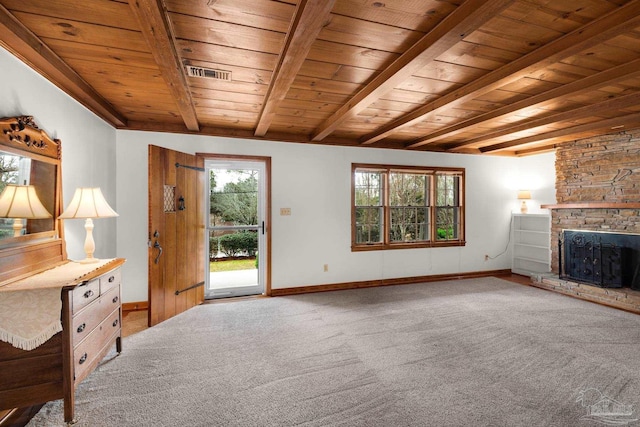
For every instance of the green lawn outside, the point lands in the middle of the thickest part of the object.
(231, 265)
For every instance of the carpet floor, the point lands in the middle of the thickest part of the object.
(477, 352)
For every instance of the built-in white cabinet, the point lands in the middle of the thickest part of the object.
(531, 244)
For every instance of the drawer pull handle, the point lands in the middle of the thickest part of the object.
(114, 300)
(115, 323)
(88, 294)
(83, 359)
(81, 327)
(112, 278)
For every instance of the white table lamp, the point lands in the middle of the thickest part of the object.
(524, 195)
(88, 203)
(21, 202)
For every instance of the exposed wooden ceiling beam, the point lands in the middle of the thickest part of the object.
(536, 150)
(622, 19)
(629, 121)
(456, 26)
(24, 44)
(618, 103)
(310, 17)
(604, 78)
(156, 29)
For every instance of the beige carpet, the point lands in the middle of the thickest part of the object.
(480, 352)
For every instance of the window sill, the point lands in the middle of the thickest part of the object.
(383, 247)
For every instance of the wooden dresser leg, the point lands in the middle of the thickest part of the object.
(69, 404)
(68, 376)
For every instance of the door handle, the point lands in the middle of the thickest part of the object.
(157, 246)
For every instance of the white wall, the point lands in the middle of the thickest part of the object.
(318, 230)
(538, 174)
(88, 145)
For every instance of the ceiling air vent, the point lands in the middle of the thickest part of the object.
(208, 73)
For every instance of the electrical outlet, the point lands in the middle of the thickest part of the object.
(326, 268)
(486, 257)
(285, 211)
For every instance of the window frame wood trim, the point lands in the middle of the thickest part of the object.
(432, 242)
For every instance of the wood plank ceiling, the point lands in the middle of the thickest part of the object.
(506, 77)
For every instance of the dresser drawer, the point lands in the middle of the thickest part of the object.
(89, 352)
(83, 294)
(110, 281)
(89, 318)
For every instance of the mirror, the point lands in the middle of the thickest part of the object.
(28, 157)
(21, 170)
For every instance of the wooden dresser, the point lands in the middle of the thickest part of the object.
(91, 324)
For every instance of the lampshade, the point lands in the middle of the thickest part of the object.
(524, 195)
(88, 203)
(21, 201)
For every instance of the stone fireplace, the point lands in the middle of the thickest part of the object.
(597, 190)
(597, 187)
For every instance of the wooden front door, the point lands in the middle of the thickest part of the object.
(176, 233)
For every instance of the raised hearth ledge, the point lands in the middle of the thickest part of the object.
(593, 205)
(622, 298)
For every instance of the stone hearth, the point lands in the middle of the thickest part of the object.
(622, 298)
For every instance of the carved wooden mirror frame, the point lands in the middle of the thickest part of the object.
(41, 248)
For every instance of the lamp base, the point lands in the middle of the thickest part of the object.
(523, 207)
(88, 261)
(17, 227)
(89, 244)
